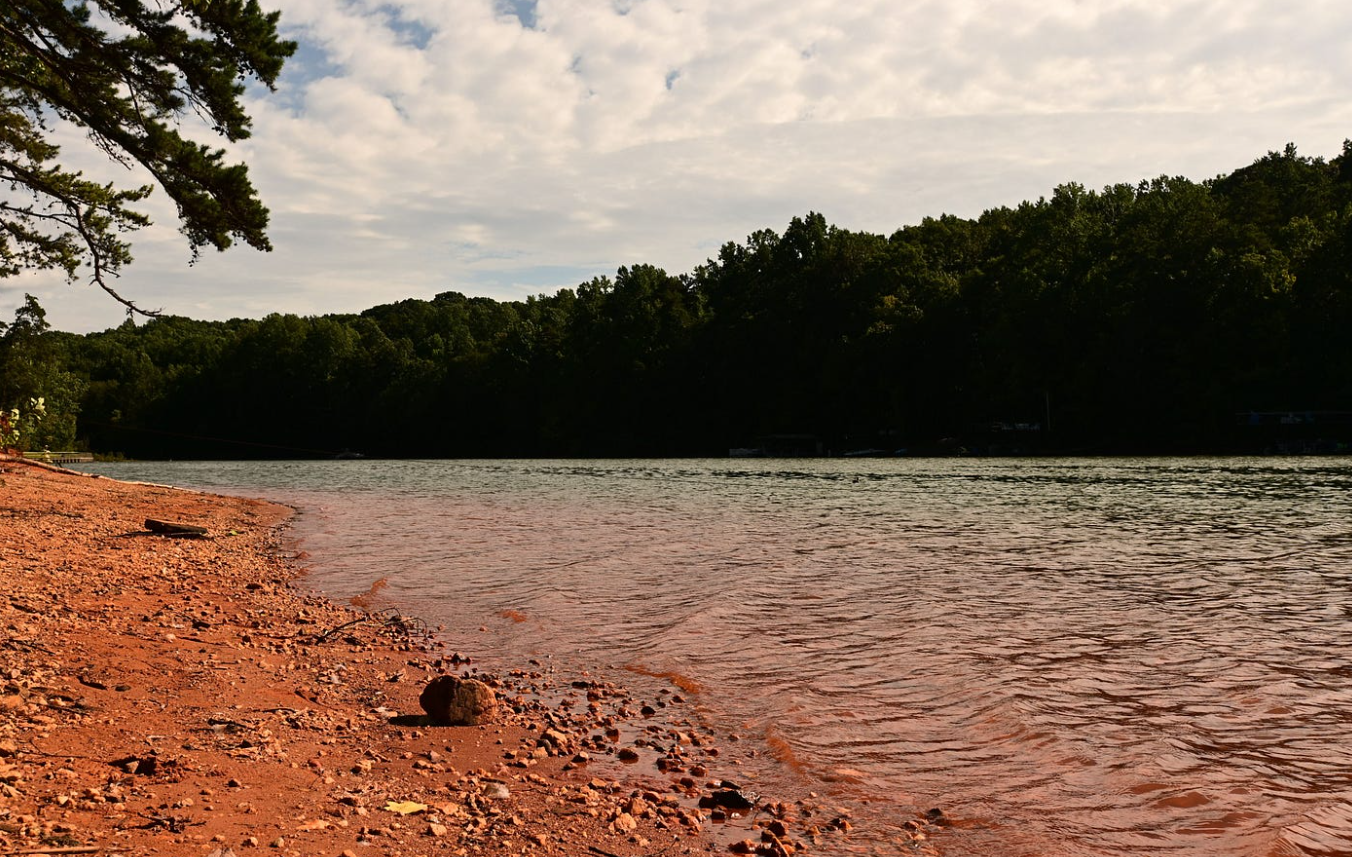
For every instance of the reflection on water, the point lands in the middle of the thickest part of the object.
(1083, 657)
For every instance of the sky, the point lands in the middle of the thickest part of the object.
(509, 148)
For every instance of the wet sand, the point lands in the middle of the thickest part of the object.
(167, 695)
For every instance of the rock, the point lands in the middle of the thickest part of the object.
(776, 845)
(137, 765)
(459, 701)
(92, 679)
(726, 799)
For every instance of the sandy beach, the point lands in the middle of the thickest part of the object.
(182, 695)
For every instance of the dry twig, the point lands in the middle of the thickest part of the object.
(393, 619)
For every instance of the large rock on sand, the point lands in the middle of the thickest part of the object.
(459, 701)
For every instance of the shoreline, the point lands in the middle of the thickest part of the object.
(175, 695)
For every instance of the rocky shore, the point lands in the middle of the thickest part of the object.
(169, 692)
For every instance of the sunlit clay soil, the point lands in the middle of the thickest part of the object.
(163, 695)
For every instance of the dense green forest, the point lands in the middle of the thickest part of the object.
(1168, 316)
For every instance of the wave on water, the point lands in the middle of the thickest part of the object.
(1070, 657)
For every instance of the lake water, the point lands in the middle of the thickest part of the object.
(1071, 657)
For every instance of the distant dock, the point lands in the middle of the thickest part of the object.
(60, 457)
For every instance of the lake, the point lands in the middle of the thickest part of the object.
(1069, 656)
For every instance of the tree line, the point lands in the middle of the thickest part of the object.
(1168, 316)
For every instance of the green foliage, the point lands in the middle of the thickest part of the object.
(1137, 318)
(41, 397)
(17, 426)
(127, 74)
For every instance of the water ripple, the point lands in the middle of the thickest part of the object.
(1087, 657)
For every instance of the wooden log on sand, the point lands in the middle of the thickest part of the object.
(173, 528)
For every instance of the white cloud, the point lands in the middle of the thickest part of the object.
(426, 145)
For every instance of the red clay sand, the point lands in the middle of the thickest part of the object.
(164, 695)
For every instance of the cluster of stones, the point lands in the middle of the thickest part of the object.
(684, 797)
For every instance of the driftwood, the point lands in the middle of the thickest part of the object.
(390, 618)
(172, 528)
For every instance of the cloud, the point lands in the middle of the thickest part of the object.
(510, 148)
